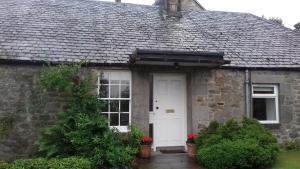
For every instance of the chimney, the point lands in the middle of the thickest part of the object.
(118, 1)
(172, 7)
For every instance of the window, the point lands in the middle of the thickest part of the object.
(265, 103)
(115, 90)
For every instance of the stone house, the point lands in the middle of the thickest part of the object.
(170, 68)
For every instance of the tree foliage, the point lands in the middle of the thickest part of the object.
(297, 26)
(276, 20)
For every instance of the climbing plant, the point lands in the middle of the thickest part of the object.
(80, 130)
(6, 125)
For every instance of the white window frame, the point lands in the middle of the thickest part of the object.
(119, 128)
(275, 96)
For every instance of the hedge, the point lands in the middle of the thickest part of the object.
(55, 163)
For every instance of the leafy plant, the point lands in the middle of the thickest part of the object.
(81, 130)
(236, 145)
(236, 154)
(69, 163)
(55, 163)
(133, 138)
(4, 165)
(38, 163)
(290, 145)
(146, 140)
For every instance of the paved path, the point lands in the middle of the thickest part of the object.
(168, 161)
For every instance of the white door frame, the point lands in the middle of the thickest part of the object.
(184, 106)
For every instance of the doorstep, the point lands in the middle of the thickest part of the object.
(160, 160)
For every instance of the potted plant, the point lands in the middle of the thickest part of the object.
(146, 143)
(191, 146)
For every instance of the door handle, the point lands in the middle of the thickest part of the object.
(157, 107)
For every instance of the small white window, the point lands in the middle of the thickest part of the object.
(265, 103)
(114, 88)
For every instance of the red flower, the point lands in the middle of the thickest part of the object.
(192, 136)
(147, 140)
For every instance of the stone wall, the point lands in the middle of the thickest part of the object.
(140, 100)
(212, 94)
(23, 110)
(217, 94)
(289, 101)
(220, 94)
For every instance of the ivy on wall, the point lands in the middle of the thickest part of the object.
(6, 125)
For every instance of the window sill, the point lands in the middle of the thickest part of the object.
(121, 129)
(269, 122)
(272, 125)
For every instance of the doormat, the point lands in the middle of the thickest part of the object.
(172, 151)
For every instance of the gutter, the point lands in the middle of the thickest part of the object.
(248, 91)
(53, 63)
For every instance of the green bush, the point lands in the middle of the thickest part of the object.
(236, 145)
(69, 163)
(55, 163)
(290, 145)
(38, 163)
(4, 165)
(134, 137)
(81, 130)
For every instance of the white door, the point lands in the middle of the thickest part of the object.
(169, 97)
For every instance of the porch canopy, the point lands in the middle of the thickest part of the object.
(177, 58)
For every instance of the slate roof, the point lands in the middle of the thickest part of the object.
(107, 32)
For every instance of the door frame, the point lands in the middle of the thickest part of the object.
(184, 107)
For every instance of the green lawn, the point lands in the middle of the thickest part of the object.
(288, 160)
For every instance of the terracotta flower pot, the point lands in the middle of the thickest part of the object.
(191, 149)
(145, 151)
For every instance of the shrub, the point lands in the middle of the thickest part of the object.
(236, 145)
(38, 163)
(290, 145)
(4, 165)
(237, 154)
(55, 163)
(69, 163)
(109, 150)
(133, 137)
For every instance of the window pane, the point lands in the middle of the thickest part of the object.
(124, 105)
(114, 81)
(114, 91)
(124, 119)
(263, 90)
(114, 119)
(105, 106)
(103, 91)
(264, 109)
(124, 91)
(126, 82)
(104, 78)
(114, 106)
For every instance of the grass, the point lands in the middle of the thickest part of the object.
(288, 160)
